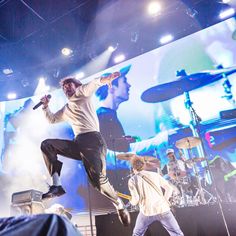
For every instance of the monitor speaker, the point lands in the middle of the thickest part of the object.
(27, 208)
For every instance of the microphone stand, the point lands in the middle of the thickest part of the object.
(114, 152)
(90, 209)
(195, 123)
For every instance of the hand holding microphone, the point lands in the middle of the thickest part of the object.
(43, 101)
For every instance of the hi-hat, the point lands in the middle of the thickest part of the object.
(196, 159)
(188, 142)
(185, 83)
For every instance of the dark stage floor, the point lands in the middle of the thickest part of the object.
(194, 221)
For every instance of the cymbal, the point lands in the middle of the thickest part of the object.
(149, 160)
(196, 159)
(125, 156)
(188, 142)
(186, 83)
(163, 92)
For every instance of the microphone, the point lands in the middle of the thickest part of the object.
(41, 103)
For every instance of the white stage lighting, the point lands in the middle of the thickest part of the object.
(154, 8)
(42, 87)
(166, 39)
(119, 58)
(11, 95)
(41, 80)
(7, 71)
(111, 48)
(226, 1)
(79, 75)
(66, 51)
(227, 13)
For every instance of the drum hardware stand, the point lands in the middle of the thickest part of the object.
(195, 119)
(211, 197)
(179, 184)
(227, 89)
(183, 195)
(200, 190)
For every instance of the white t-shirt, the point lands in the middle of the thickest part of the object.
(79, 112)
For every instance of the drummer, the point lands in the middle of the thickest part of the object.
(176, 168)
(180, 173)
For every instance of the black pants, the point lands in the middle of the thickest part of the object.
(90, 148)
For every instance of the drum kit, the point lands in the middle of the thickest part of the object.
(183, 195)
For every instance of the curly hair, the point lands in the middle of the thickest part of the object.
(70, 80)
(137, 163)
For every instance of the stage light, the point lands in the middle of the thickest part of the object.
(7, 71)
(42, 87)
(119, 58)
(154, 8)
(227, 13)
(11, 95)
(226, 1)
(111, 48)
(66, 51)
(79, 75)
(166, 39)
(41, 80)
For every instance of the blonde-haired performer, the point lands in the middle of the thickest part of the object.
(88, 145)
(146, 192)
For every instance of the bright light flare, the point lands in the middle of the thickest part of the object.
(166, 39)
(154, 8)
(79, 75)
(42, 80)
(66, 51)
(226, 1)
(7, 71)
(11, 95)
(42, 87)
(119, 58)
(227, 13)
(111, 48)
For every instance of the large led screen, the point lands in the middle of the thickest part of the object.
(164, 96)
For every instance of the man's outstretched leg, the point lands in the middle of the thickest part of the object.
(93, 155)
(50, 149)
(102, 184)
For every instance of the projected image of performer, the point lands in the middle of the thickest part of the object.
(88, 145)
(110, 125)
(146, 192)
